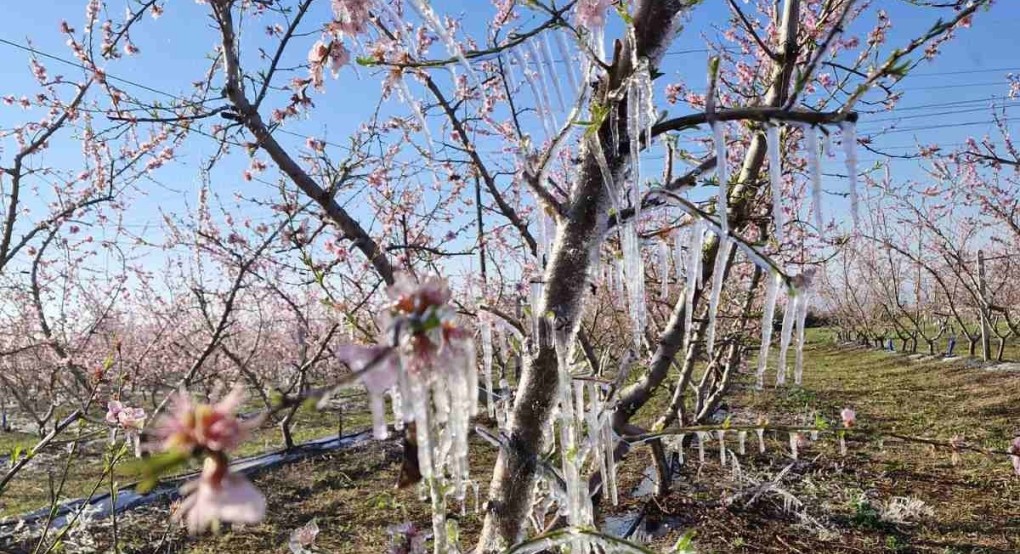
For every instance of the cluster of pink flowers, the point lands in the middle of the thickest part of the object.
(124, 416)
(591, 14)
(131, 420)
(350, 19)
(210, 432)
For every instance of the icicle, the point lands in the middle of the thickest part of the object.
(405, 94)
(377, 406)
(663, 269)
(761, 440)
(722, 175)
(701, 447)
(814, 434)
(540, 67)
(536, 308)
(486, 334)
(802, 309)
(397, 403)
(554, 75)
(784, 338)
(721, 434)
(568, 66)
(579, 413)
(794, 443)
(741, 442)
(769, 307)
(718, 276)
(849, 130)
(842, 443)
(635, 274)
(693, 277)
(815, 167)
(634, 126)
(680, 449)
(620, 279)
(453, 47)
(775, 179)
(542, 107)
(610, 452)
(679, 260)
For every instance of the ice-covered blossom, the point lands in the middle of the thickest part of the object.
(213, 428)
(124, 416)
(849, 417)
(219, 495)
(592, 13)
(350, 17)
(302, 538)
(425, 360)
(406, 539)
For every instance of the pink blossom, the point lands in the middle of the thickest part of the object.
(410, 297)
(1014, 449)
(303, 537)
(113, 409)
(849, 417)
(211, 427)
(350, 16)
(219, 495)
(592, 13)
(132, 418)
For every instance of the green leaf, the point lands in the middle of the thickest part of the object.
(685, 545)
(621, 9)
(151, 469)
(366, 61)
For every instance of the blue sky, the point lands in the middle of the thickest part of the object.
(970, 71)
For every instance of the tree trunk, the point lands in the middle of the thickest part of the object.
(579, 235)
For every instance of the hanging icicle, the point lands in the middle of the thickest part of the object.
(536, 306)
(541, 63)
(718, 277)
(795, 439)
(693, 278)
(485, 331)
(815, 168)
(663, 269)
(722, 175)
(635, 280)
(701, 446)
(761, 440)
(568, 62)
(786, 334)
(741, 442)
(553, 73)
(769, 312)
(541, 106)
(802, 310)
(775, 179)
(721, 434)
(849, 130)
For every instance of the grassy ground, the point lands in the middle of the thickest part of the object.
(34, 487)
(846, 503)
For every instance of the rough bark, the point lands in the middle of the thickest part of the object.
(566, 277)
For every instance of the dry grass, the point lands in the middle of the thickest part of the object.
(848, 504)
